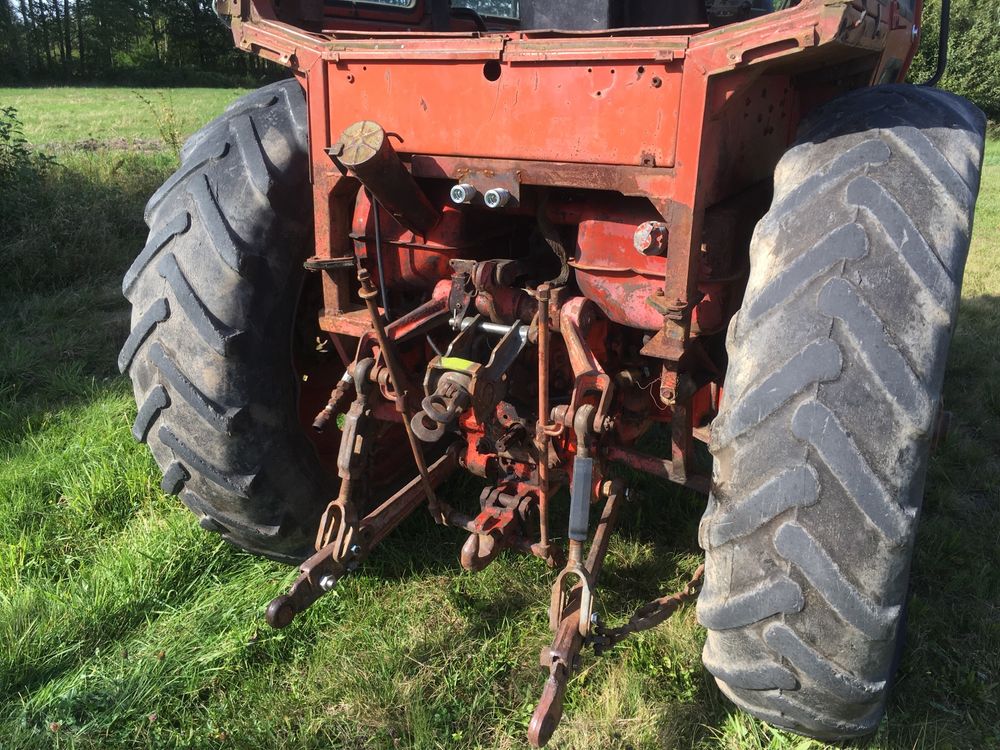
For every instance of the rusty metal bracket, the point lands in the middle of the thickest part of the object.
(502, 524)
(320, 573)
(330, 264)
(494, 529)
(487, 179)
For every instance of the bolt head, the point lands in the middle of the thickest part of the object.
(496, 198)
(462, 193)
(327, 582)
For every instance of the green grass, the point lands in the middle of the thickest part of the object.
(75, 115)
(122, 624)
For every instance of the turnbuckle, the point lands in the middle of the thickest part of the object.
(578, 625)
(562, 656)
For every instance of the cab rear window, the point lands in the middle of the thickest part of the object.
(495, 8)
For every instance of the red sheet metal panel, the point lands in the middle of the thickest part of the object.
(606, 112)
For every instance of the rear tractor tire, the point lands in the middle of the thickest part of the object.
(836, 365)
(214, 295)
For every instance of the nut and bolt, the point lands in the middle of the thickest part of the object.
(496, 198)
(651, 238)
(327, 582)
(462, 193)
(354, 551)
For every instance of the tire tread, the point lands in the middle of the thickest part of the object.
(820, 459)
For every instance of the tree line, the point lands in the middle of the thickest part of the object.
(142, 41)
(93, 40)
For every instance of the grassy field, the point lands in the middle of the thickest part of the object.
(122, 624)
(79, 115)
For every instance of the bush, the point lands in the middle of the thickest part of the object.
(21, 172)
(973, 53)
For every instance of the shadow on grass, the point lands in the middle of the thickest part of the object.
(62, 316)
(948, 680)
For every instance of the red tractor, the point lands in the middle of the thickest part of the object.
(517, 238)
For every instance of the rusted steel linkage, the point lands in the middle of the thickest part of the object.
(543, 295)
(320, 573)
(658, 467)
(502, 524)
(440, 511)
(562, 655)
(368, 293)
(647, 616)
(338, 398)
(578, 625)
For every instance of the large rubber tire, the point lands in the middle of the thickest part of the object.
(214, 294)
(836, 363)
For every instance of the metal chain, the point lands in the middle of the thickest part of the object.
(647, 616)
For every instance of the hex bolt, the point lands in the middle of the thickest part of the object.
(327, 582)
(462, 193)
(496, 198)
(651, 238)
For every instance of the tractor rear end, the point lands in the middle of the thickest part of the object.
(524, 253)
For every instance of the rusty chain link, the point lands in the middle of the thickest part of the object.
(647, 616)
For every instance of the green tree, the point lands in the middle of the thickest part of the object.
(973, 51)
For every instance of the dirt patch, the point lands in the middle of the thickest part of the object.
(143, 145)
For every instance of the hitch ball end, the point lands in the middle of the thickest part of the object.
(280, 612)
